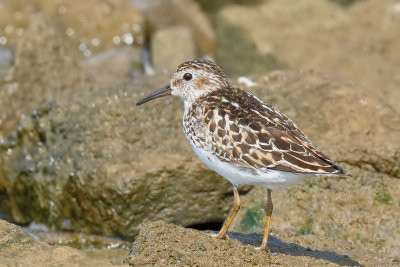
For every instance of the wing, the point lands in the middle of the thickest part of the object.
(249, 133)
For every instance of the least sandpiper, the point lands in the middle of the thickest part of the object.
(240, 137)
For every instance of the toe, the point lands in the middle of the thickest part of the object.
(262, 248)
(220, 236)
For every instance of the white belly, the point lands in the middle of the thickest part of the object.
(268, 178)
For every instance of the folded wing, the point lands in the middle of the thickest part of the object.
(249, 133)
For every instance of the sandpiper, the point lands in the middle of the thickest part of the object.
(240, 137)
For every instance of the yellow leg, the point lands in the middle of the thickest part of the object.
(222, 233)
(268, 212)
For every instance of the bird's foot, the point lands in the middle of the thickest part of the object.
(220, 236)
(262, 248)
(265, 248)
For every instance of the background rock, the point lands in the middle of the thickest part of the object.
(76, 154)
(337, 118)
(361, 210)
(45, 69)
(90, 26)
(97, 163)
(6, 60)
(166, 13)
(318, 35)
(171, 46)
(113, 67)
(170, 245)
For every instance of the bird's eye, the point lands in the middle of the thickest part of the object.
(187, 76)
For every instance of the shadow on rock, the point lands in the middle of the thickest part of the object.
(159, 243)
(280, 247)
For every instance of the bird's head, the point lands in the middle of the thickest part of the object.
(191, 80)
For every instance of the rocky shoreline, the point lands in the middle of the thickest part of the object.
(78, 156)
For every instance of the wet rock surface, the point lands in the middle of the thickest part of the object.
(18, 248)
(164, 244)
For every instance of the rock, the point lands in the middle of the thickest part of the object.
(164, 244)
(96, 163)
(172, 46)
(333, 209)
(112, 67)
(81, 241)
(355, 128)
(237, 54)
(318, 35)
(91, 26)
(214, 6)
(341, 134)
(20, 249)
(345, 2)
(6, 60)
(261, 33)
(166, 13)
(45, 69)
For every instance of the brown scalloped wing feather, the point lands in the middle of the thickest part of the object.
(249, 133)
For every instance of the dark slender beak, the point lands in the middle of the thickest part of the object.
(166, 90)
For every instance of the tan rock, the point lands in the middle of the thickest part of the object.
(359, 131)
(164, 244)
(112, 67)
(166, 13)
(318, 35)
(91, 26)
(97, 163)
(172, 46)
(45, 69)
